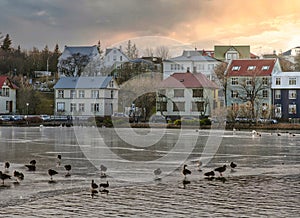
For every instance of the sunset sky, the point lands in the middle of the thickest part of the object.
(265, 25)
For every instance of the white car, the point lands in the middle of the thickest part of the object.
(45, 117)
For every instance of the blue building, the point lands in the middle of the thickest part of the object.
(286, 95)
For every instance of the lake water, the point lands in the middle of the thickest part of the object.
(266, 181)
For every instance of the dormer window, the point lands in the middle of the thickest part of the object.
(236, 68)
(251, 68)
(265, 68)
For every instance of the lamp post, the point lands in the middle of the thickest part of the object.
(27, 104)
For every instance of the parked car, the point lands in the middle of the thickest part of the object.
(267, 121)
(157, 119)
(117, 114)
(244, 120)
(6, 117)
(45, 117)
(18, 117)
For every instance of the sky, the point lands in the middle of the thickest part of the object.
(265, 25)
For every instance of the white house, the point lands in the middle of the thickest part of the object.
(114, 57)
(7, 96)
(192, 61)
(186, 94)
(86, 96)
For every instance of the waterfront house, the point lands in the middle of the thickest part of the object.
(286, 95)
(7, 95)
(86, 96)
(113, 60)
(248, 91)
(193, 61)
(186, 94)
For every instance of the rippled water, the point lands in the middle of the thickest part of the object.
(265, 183)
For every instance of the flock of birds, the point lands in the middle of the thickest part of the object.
(19, 176)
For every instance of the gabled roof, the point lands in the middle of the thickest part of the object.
(108, 50)
(188, 80)
(99, 82)
(82, 50)
(198, 57)
(6, 79)
(220, 51)
(242, 69)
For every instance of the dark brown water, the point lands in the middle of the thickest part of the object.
(266, 182)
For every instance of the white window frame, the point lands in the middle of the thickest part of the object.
(292, 81)
(81, 94)
(234, 81)
(292, 94)
(277, 81)
(277, 94)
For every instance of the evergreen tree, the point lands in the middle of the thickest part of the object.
(6, 43)
(100, 50)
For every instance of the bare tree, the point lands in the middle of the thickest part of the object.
(251, 90)
(149, 52)
(222, 78)
(162, 52)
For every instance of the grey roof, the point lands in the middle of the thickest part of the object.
(84, 50)
(99, 82)
(192, 58)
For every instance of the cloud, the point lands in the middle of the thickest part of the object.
(202, 22)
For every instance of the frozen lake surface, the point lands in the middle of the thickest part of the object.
(266, 181)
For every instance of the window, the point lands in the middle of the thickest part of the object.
(236, 68)
(197, 93)
(7, 105)
(265, 67)
(178, 92)
(277, 81)
(277, 94)
(81, 107)
(249, 82)
(95, 107)
(292, 108)
(60, 106)
(251, 67)
(234, 94)
(264, 107)
(72, 93)
(121, 58)
(232, 55)
(178, 106)
(72, 107)
(60, 93)
(201, 66)
(5, 92)
(112, 94)
(95, 94)
(114, 57)
(265, 93)
(265, 81)
(249, 93)
(278, 110)
(292, 94)
(292, 81)
(198, 106)
(210, 66)
(111, 83)
(81, 93)
(234, 81)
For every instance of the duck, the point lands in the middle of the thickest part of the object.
(233, 165)
(6, 166)
(31, 165)
(209, 174)
(58, 160)
(51, 173)
(68, 168)
(220, 169)
(18, 175)
(94, 185)
(4, 176)
(185, 171)
(104, 185)
(103, 169)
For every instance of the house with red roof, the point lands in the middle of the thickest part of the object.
(7, 95)
(186, 94)
(248, 90)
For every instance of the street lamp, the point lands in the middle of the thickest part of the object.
(27, 104)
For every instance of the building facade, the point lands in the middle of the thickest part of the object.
(286, 95)
(7, 96)
(192, 61)
(248, 90)
(86, 96)
(186, 94)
